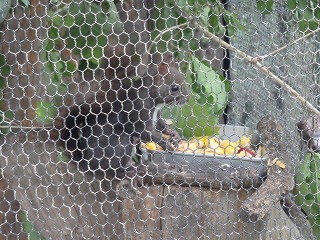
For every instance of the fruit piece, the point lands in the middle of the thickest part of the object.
(211, 146)
(203, 142)
(153, 146)
(230, 150)
(219, 151)
(246, 150)
(185, 146)
(209, 151)
(192, 146)
(214, 142)
(242, 154)
(224, 143)
(244, 141)
(262, 151)
(280, 164)
(276, 161)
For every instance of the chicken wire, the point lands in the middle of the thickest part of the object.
(54, 54)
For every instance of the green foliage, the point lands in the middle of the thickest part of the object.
(209, 13)
(193, 118)
(81, 27)
(46, 111)
(306, 13)
(265, 6)
(208, 84)
(5, 115)
(25, 2)
(308, 197)
(4, 9)
(80, 30)
(62, 157)
(4, 72)
(29, 228)
(209, 88)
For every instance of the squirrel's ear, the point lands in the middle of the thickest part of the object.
(167, 58)
(158, 58)
(163, 68)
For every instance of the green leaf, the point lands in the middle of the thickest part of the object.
(57, 101)
(308, 182)
(60, 67)
(2, 83)
(68, 21)
(4, 9)
(303, 25)
(194, 45)
(292, 4)
(302, 4)
(91, 41)
(51, 89)
(204, 15)
(313, 25)
(265, 6)
(87, 53)
(83, 64)
(234, 21)
(210, 82)
(8, 114)
(102, 40)
(317, 12)
(45, 111)
(97, 52)
(190, 2)
(192, 119)
(113, 20)
(5, 71)
(48, 45)
(305, 167)
(309, 197)
(71, 66)
(53, 33)
(75, 32)
(308, 14)
(81, 42)
(25, 2)
(58, 21)
(85, 30)
(63, 158)
(215, 24)
(2, 60)
(54, 56)
(62, 90)
(29, 228)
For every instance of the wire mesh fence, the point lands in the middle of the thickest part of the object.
(159, 119)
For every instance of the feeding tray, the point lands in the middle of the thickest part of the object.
(233, 133)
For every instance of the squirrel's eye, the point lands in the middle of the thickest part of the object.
(174, 88)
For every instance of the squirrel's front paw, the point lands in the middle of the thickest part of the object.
(174, 140)
(169, 140)
(171, 144)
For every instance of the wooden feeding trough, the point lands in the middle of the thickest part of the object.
(189, 197)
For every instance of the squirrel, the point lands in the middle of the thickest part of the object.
(98, 129)
(310, 131)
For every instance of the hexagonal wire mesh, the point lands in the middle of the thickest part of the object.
(97, 95)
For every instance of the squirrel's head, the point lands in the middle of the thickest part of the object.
(310, 130)
(169, 84)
